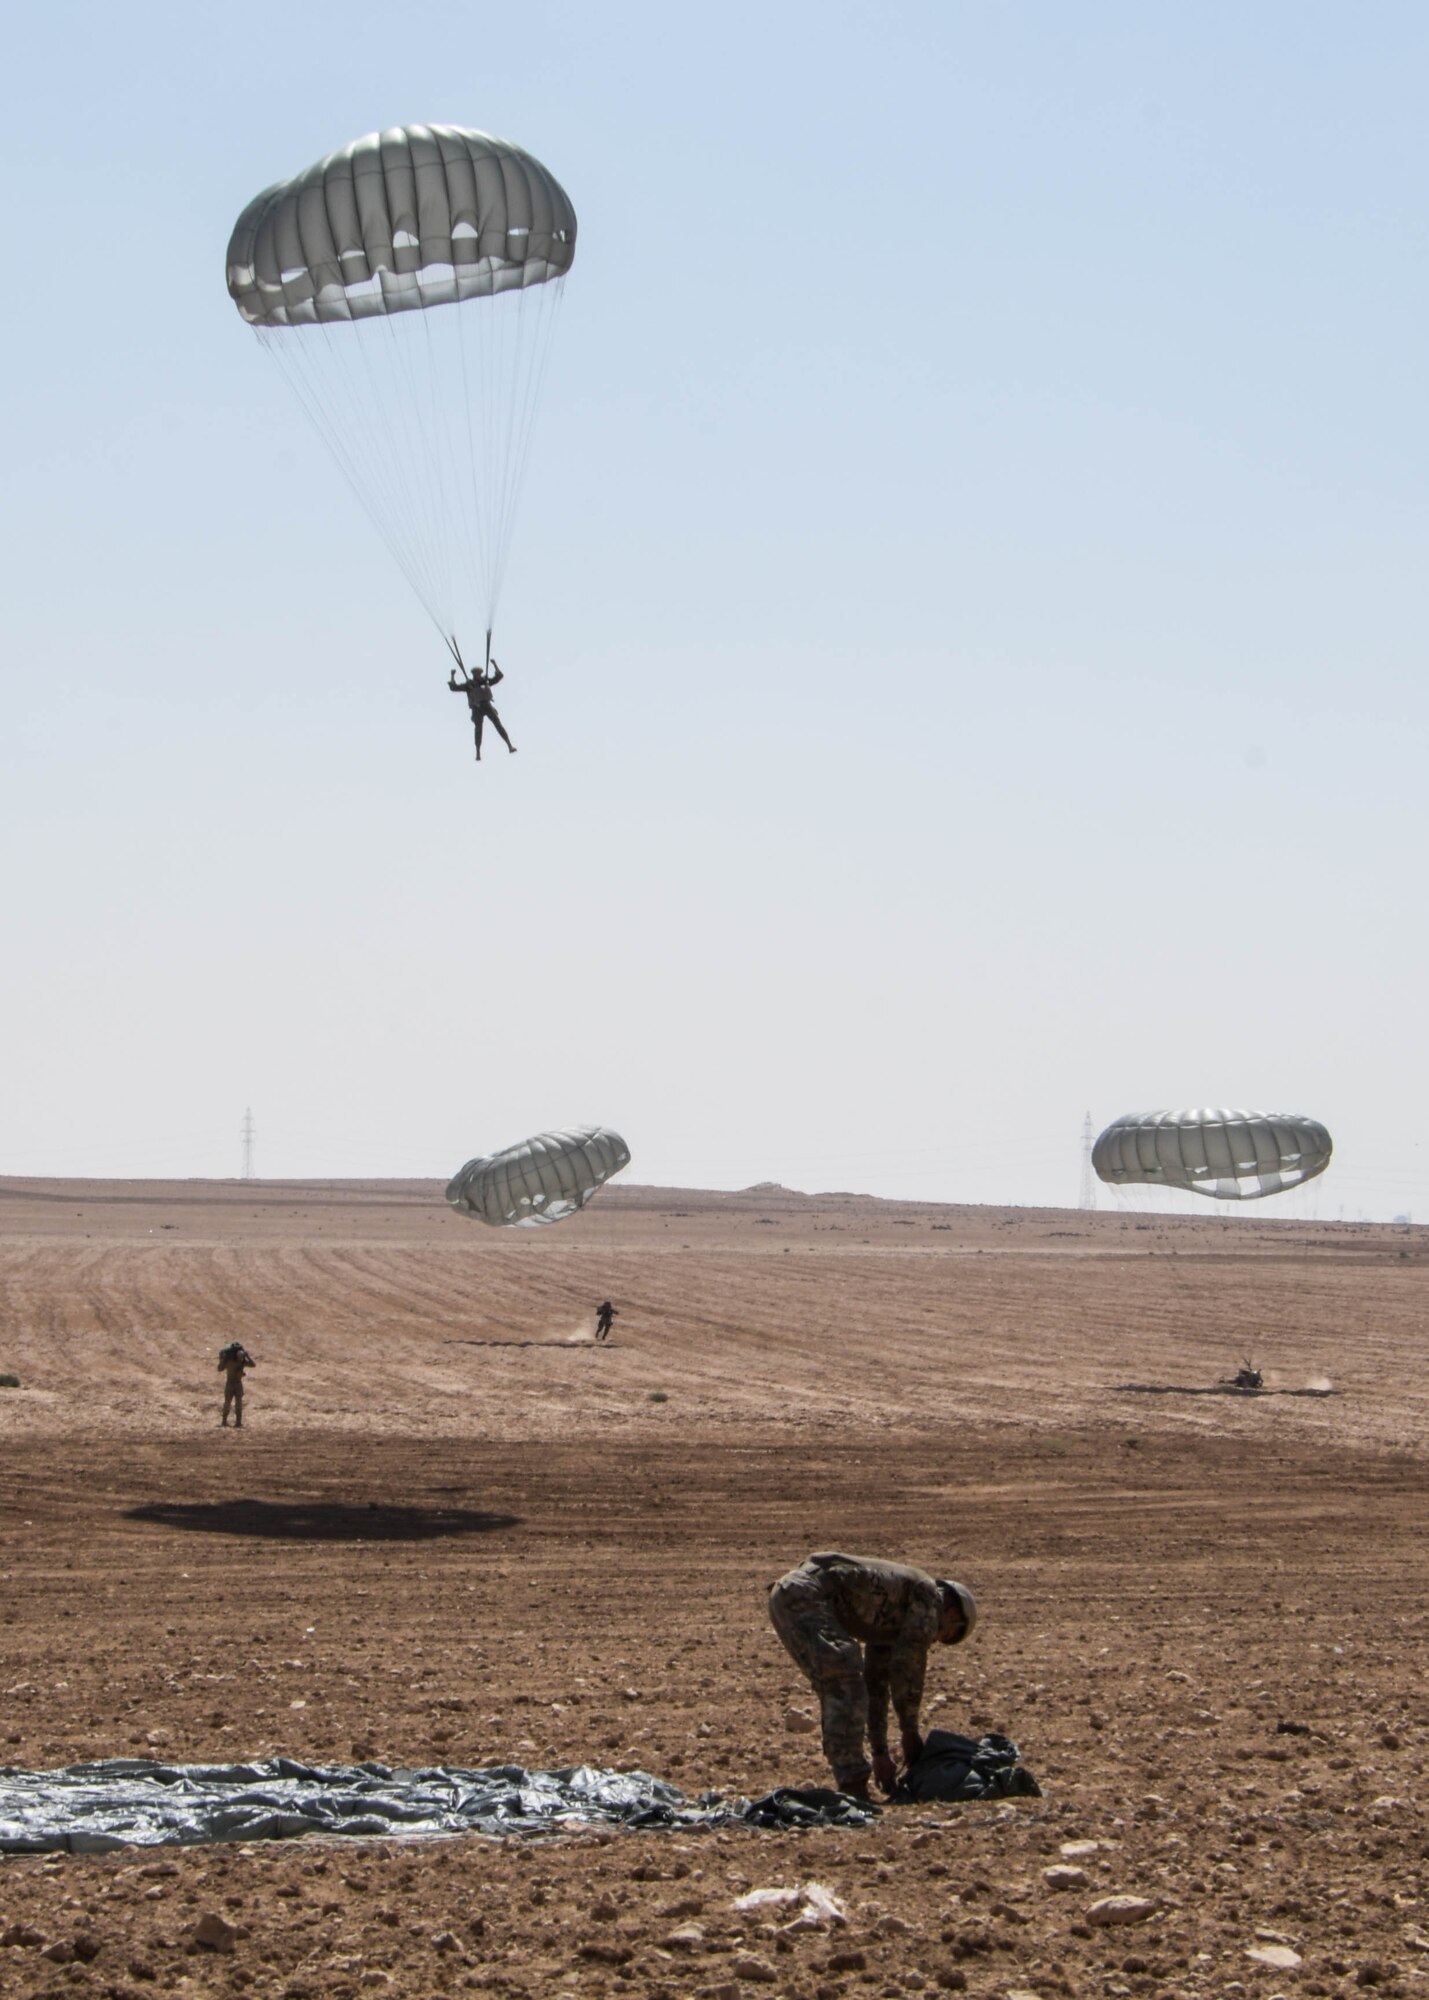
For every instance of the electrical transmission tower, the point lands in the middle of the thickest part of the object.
(1089, 1185)
(248, 1144)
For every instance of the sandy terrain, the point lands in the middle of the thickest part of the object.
(456, 1530)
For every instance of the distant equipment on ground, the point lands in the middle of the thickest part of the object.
(540, 1180)
(1228, 1155)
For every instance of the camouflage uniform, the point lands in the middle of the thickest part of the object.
(821, 1610)
(231, 1364)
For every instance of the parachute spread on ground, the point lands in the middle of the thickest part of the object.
(542, 1179)
(407, 285)
(1228, 1155)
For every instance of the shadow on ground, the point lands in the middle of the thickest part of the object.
(567, 1345)
(1217, 1389)
(320, 1520)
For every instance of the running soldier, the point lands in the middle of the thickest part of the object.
(605, 1314)
(232, 1361)
(822, 1610)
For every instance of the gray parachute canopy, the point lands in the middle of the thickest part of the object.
(1228, 1155)
(416, 216)
(541, 1180)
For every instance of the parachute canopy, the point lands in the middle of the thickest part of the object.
(1228, 1155)
(407, 287)
(421, 215)
(541, 1180)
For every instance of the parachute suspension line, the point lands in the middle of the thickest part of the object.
(509, 361)
(512, 363)
(389, 371)
(429, 416)
(444, 494)
(487, 327)
(417, 485)
(546, 309)
(492, 334)
(509, 391)
(289, 356)
(495, 334)
(488, 333)
(383, 348)
(480, 527)
(363, 417)
(367, 435)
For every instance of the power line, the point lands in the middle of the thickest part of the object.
(248, 1144)
(1088, 1197)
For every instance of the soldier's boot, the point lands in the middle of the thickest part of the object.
(855, 1788)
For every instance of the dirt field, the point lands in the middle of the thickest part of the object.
(456, 1530)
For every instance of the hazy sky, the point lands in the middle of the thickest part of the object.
(966, 628)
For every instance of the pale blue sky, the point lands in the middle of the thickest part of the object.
(965, 631)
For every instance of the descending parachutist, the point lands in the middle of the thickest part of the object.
(477, 689)
(407, 285)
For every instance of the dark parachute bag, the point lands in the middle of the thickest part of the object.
(964, 1767)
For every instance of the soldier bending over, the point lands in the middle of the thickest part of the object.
(232, 1361)
(823, 1609)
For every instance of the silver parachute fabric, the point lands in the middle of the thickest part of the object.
(1227, 1155)
(407, 286)
(541, 1180)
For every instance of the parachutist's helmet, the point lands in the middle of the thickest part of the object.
(958, 1594)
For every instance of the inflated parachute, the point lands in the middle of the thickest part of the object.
(1228, 1155)
(542, 1179)
(407, 285)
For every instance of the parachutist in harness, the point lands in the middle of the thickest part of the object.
(477, 689)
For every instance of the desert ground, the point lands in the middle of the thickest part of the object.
(455, 1529)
